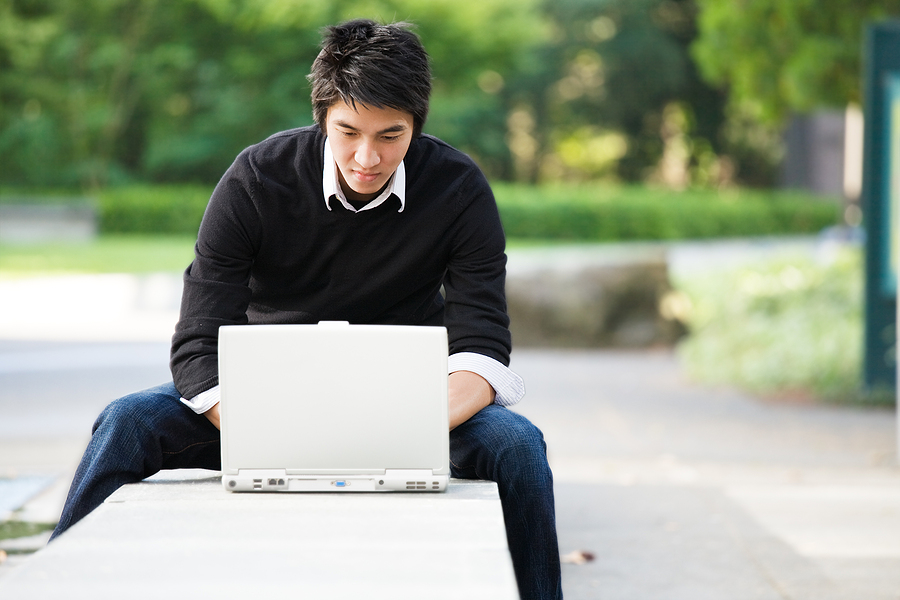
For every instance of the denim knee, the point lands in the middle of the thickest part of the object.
(502, 446)
(144, 410)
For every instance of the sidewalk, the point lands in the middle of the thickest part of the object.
(688, 492)
(678, 491)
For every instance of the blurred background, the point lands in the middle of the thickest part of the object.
(683, 93)
(681, 183)
(596, 121)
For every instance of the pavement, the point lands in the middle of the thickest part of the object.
(665, 489)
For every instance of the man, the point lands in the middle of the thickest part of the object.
(359, 218)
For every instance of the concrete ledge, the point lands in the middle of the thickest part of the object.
(567, 297)
(180, 535)
(30, 223)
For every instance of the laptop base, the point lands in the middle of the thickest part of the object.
(275, 480)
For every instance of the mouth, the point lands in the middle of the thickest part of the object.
(365, 177)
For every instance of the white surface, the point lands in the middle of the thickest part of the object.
(14, 492)
(334, 399)
(190, 539)
(90, 307)
(861, 521)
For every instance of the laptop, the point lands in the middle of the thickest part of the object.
(334, 407)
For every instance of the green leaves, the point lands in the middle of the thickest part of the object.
(791, 325)
(96, 92)
(775, 57)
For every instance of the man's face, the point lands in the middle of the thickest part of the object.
(368, 146)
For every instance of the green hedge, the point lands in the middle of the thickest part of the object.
(639, 213)
(597, 213)
(170, 209)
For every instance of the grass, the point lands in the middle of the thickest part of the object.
(17, 529)
(106, 254)
(113, 254)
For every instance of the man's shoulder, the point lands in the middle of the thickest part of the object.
(309, 132)
(429, 153)
(438, 148)
(288, 158)
(286, 144)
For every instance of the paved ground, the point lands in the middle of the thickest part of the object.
(678, 491)
(684, 492)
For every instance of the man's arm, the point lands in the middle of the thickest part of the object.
(216, 288)
(467, 394)
(475, 311)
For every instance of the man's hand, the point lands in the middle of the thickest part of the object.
(468, 393)
(213, 415)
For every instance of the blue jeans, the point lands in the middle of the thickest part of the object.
(142, 433)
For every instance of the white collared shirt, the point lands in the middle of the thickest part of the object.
(508, 386)
(331, 186)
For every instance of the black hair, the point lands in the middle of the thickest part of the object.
(380, 66)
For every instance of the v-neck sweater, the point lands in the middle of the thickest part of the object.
(269, 251)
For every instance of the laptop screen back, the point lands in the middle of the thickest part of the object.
(333, 398)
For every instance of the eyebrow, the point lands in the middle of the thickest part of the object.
(399, 127)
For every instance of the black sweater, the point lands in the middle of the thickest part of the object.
(270, 251)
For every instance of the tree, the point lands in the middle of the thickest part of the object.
(99, 91)
(594, 98)
(776, 57)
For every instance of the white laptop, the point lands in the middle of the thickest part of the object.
(334, 407)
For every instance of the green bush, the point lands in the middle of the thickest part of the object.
(171, 209)
(606, 214)
(787, 326)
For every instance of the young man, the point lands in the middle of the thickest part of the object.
(360, 218)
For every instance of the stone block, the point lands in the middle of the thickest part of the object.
(23, 223)
(613, 300)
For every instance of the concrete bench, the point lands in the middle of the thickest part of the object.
(180, 535)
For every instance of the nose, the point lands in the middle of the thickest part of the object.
(367, 156)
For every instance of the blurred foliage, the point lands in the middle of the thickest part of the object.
(587, 212)
(789, 327)
(152, 228)
(153, 209)
(98, 92)
(101, 92)
(599, 213)
(775, 57)
(596, 98)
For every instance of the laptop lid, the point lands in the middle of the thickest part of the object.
(333, 406)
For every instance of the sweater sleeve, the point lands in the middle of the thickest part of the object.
(474, 284)
(216, 284)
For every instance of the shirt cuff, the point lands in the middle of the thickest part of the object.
(508, 387)
(204, 401)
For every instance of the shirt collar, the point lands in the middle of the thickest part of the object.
(331, 186)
